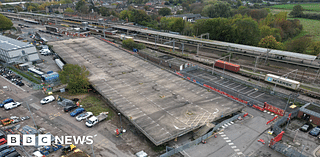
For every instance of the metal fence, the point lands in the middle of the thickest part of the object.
(198, 140)
(276, 128)
(222, 88)
(287, 150)
(226, 76)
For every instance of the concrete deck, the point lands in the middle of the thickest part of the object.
(159, 103)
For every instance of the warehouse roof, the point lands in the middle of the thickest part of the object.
(9, 44)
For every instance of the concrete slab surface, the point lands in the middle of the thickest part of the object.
(160, 104)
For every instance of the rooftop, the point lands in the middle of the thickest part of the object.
(159, 103)
(9, 44)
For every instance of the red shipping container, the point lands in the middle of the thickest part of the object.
(227, 66)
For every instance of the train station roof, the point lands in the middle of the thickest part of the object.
(220, 43)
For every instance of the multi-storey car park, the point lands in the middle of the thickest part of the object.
(159, 103)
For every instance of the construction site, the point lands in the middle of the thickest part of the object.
(162, 105)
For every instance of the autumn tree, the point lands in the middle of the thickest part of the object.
(76, 77)
(69, 10)
(299, 45)
(270, 42)
(314, 48)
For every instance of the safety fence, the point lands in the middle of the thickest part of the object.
(263, 89)
(173, 151)
(231, 93)
(286, 150)
(276, 128)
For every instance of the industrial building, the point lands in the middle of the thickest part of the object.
(15, 51)
(310, 112)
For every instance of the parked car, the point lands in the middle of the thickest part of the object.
(2, 135)
(11, 105)
(69, 108)
(306, 127)
(13, 154)
(3, 147)
(77, 111)
(3, 141)
(7, 151)
(25, 118)
(315, 131)
(6, 101)
(84, 116)
(47, 99)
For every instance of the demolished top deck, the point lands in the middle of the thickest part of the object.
(159, 103)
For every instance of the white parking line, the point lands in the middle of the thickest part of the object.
(228, 141)
(242, 89)
(231, 143)
(259, 95)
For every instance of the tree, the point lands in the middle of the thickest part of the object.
(247, 32)
(18, 8)
(271, 43)
(5, 22)
(164, 11)
(314, 48)
(69, 10)
(104, 11)
(297, 11)
(80, 4)
(299, 45)
(130, 44)
(76, 78)
(178, 25)
(218, 9)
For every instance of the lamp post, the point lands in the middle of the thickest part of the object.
(120, 121)
(92, 145)
(31, 115)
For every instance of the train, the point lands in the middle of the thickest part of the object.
(274, 79)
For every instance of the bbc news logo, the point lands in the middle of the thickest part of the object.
(45, 140)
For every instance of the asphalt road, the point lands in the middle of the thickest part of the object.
(52, 117)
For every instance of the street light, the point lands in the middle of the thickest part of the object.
(120, 121)
(92, 145)
(31, 115)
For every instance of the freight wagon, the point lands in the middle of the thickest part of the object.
(281, 81)
(228, 66)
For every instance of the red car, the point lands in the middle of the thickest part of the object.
(3, 141)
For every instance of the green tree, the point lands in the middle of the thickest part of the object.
(69, 10)
(247, 32)
(76, 78)
(80, 4)
(297, 11)
(314, 48)
(267, 31)
(270, 42)
(17, 7)
(104, 11)
(164, 11)
(178, 25)
(299, 45)
(125, 14)
(5, 22)
(218, 9)
(130, 44)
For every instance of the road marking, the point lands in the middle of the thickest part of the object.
(242, 89)
(233, 147)
(1, 92)
(259, 95)
(237, 150)
(228, 141)
(226, 138)
(221, 133)
(231, 143)
(239, 153)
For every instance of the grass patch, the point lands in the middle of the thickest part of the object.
(36, 80)
(159, 148)
(276, 11)
(310, 27)
(307, 6)
(95, 105)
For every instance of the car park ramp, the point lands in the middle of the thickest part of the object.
(159, 103)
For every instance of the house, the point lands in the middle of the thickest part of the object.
(149, 3)
(59, 7)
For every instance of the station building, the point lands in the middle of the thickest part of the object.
(15, 51)
(310, 112)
